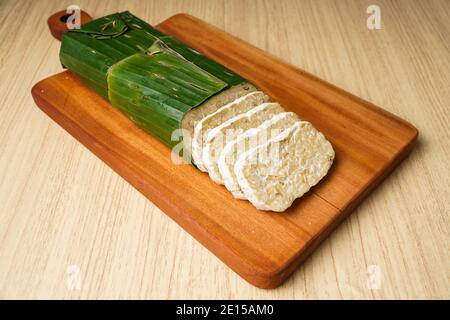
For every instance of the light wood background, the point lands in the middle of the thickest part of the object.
(60, 206)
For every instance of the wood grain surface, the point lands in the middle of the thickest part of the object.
(64, 210)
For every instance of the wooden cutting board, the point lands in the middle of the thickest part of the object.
(263, 247)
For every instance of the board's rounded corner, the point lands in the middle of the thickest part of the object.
(266, 281)
(414, 133)
(37, 92)
(269, 278)
(413, 137)
(35, 89)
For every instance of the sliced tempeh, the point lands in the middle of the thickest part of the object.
(228, 111)
(211, 105)
(229, 130)
(250, 139)
(274, 174)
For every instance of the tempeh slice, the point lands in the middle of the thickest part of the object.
(229, 130)
(274, 174)
(250, 139)
(211, 105)
(228, 111)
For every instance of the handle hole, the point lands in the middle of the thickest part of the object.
(64, 18)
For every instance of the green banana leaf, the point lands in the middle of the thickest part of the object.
(153, 78)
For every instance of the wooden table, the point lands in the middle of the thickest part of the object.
(72, 228)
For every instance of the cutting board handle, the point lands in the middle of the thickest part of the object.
(58, 22)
